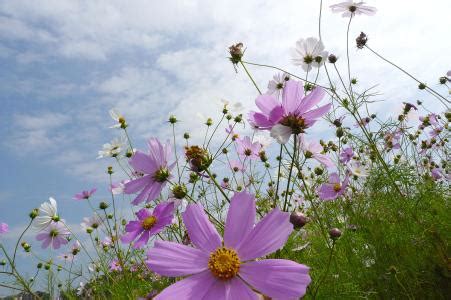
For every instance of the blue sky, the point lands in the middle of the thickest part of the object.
(64, 64)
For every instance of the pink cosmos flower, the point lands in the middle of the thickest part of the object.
(55, 234)
(226, 268)
(155, 169)
(292, 116)
(314, 150)
(148, 224)
(118, 187)
(346, 155)
(350, 8)
(4, 228)
(115, 265)
(236, 166)
(334, 188)
(436, 173)
(247, 149)
(84, 195)
(435, 132)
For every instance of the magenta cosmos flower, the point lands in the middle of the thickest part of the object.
(346, 155)
(334, 188)
(84, 195)
(246, 148)
(293, 115)
(226, 268)
(148, 224)
(55, 234)
(155, 169)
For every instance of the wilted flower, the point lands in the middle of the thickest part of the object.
(247, 149)
(154, 165)
(84, 195)
(226, 268)
(346, 155)
(148, 224)
(276, 85)
(309, 53)
(112, 149)
(55, 234)
(47, 214)
(334, 188)
(236, 53)
(361, 40)
(292, 116)
(198, 158)
(350, 8)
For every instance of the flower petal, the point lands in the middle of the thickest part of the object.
(201, 232)
(277, 278)
(141, 162)
(193, 287)
(266, 103)
(173, 259)
(240, 218)
(311, 99)
(136, 184)
(267, 236)
(318, 112)
(292, 96)
(281, 133)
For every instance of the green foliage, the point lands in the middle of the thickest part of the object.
(392, 247)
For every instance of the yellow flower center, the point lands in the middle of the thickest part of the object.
(224, 263)
(149, 222)
(337, 187)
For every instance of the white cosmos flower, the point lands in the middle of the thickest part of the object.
(264, 140)
(357, 169)
(47, 214)
(281, 133)
(309, 53)
(234, 107)
(116, 116)
(350, 8)
(276, 85)
(112, 149)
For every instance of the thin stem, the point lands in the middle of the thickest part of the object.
(327, 270)
(18, 241)
(217, 185)
(276, 196)
(252, 79)
(289, 174)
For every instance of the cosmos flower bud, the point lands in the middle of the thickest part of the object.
(172, 119)
(339, 132)
(443, 80)
(298, 219)
(332, 58)
(47, 266)
(361, 40)
(238, 118)
(236, 53)
(186, 135)
(34, 213)
(334, 233)
(3, 262)
(103, 205)
(422, 86)
(354, 80)
(110, 170)
(179, 191)
(209, 122)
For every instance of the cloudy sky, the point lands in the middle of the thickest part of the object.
(64, 64)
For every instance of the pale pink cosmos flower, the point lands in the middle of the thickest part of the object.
(247, 149)
(118, 187)
(148, 224)
(294, 115)
(334, 188)
(313, 149)
(350, 8)
(92, 222)
(4, 228)
(55, 234)
(276, 85)
(155, 169)
(346, 155)
(236, 166)
(357, 169)
(84, 195)
(227, 268)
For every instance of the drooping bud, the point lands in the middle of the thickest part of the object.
(332, 58)
(236, 53)
(334, 233)
(361, 40)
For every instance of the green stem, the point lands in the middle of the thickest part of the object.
(252, 79)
